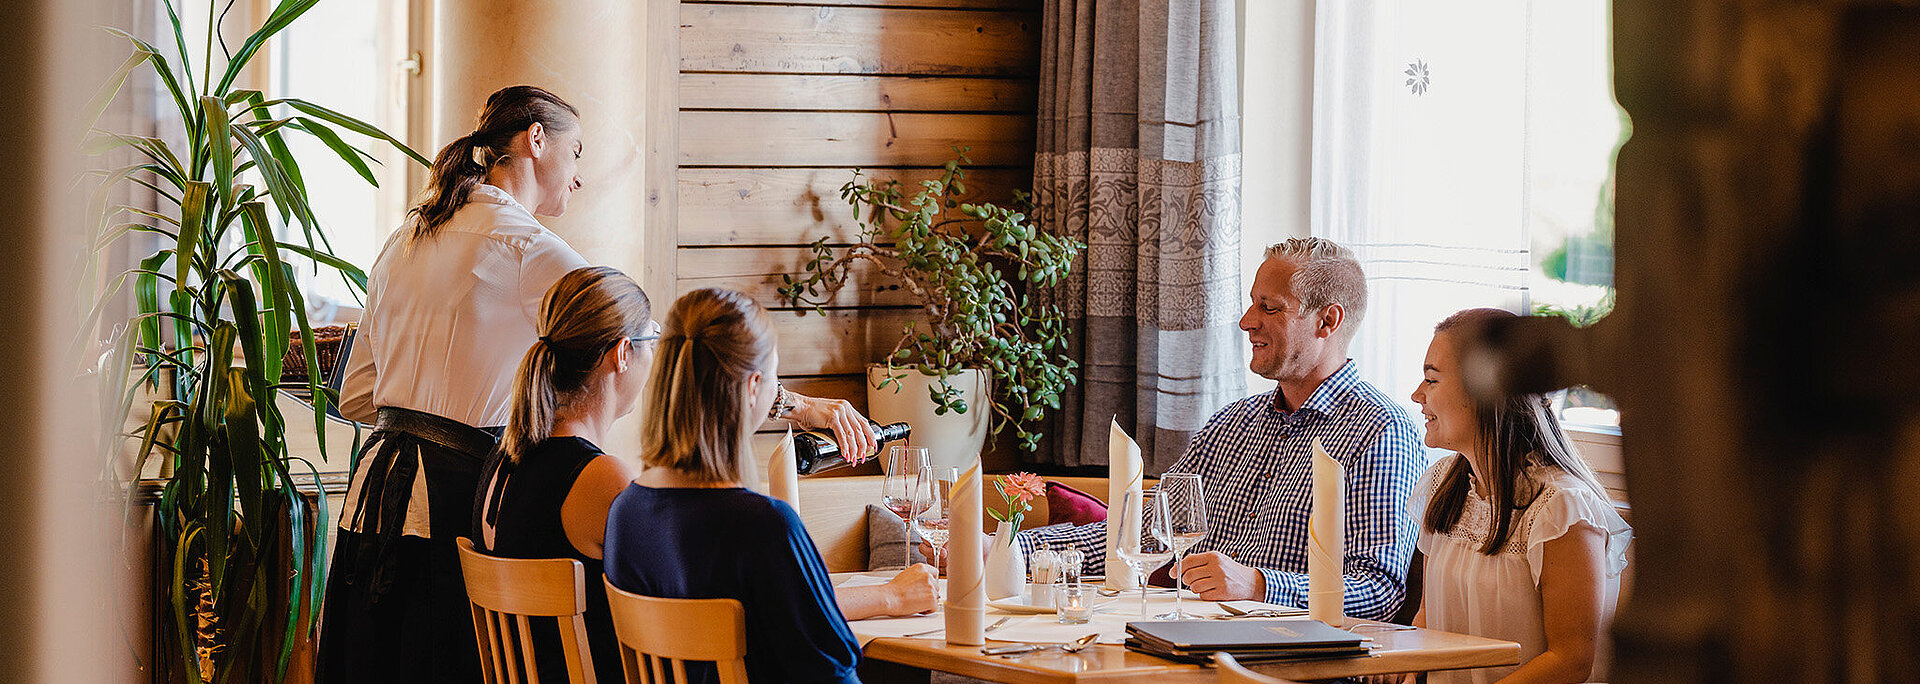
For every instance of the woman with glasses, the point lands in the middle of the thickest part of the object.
(545, 492)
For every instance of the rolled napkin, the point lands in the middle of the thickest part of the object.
(1123, 519)
(1327, 539)
(966, 573)
(783, 476)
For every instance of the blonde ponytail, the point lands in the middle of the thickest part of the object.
(583, 315)
(699, 420)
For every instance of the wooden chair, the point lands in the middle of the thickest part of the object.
(1232, 672)
(505, 592)
(660, 634)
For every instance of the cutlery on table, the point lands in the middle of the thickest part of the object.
(1018, 649)
(996, 625)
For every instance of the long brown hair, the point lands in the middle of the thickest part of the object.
(464, 163)
(697, 418)
(1510, 431)
(585, 314)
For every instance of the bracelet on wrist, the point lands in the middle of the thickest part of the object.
(784, 402)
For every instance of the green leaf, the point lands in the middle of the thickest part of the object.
(111, 87)
(160, 67)
(348, 153)
(221, 150)
(351, 124)
(282, 16)
(193, 220)
(351, 271)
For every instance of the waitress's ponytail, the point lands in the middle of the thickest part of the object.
(464, 163)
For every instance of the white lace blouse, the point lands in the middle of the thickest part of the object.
(1498, 596)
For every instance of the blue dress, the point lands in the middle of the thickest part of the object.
(734, 543)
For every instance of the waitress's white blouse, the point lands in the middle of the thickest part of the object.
(447, 322)
(449, 318)
(1498, 596)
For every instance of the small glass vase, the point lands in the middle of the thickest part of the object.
(1006, 567)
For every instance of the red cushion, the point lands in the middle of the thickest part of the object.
(1066, 504)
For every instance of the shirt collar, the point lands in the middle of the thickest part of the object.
(495, 195)
(1327, 396)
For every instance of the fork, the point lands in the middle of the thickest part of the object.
(996, 625)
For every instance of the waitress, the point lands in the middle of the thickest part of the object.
(451, 305)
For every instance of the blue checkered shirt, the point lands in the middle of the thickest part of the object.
(1255, 469)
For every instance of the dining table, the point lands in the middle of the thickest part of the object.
(910, 649)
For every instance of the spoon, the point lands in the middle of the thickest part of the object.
(1018, 649)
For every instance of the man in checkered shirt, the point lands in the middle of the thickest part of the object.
(1252, 456)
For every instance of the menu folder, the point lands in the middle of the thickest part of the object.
(1252, 640)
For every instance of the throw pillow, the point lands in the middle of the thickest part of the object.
(1068, 505)
(887, 545)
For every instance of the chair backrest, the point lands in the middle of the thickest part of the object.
(1232, 671)
(1416, 588)
(659, 635)
(505, 593)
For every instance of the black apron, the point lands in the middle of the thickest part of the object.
(396, 606)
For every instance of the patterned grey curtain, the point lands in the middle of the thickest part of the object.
(1139, 155)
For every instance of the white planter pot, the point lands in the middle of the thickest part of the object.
(954, 439)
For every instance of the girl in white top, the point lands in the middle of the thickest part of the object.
(1520, 539)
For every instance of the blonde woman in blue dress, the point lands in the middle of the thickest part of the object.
(1521, 541)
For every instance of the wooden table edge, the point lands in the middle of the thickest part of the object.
(925, 653)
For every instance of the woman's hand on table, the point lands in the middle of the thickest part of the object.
(914, 591)
(852, 431)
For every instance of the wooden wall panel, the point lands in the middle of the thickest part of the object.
(855, 93)
(768, 206)
(757, 270)
(719, 138)
(778, 102)
(841, 342)
(937, 4)
(857, 40)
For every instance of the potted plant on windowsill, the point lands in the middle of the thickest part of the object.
(986, 340)
(215, 306)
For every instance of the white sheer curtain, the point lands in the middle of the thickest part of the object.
(1420, 165)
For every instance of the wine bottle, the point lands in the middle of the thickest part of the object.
(815, 453)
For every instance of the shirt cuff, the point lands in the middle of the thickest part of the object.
(1285, 588)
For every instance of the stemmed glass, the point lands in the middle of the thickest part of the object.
(904, 467)
(1140, 544)
(1185, 507)
(930, 510)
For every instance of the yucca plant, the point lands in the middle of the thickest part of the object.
(216, 306)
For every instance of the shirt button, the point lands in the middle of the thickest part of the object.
(1266, 476)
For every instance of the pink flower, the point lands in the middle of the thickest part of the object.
(1019, 490)
(1026, 486)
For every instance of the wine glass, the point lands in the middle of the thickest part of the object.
(904, 465)
(1185, 506)
(1140, 546)
(930, 510)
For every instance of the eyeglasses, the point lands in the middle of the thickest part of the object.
(653, 333)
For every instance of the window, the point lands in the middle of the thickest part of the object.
(1464, 150)
(348, 56)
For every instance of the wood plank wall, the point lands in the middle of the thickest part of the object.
(780, 101)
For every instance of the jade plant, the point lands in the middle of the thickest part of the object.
(977, 270)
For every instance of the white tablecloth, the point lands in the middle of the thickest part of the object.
(1110, 617)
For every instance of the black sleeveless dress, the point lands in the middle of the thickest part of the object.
(525, 516)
